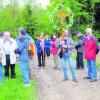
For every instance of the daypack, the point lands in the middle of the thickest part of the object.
(31, 49)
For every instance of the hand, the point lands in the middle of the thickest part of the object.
(62, 42)
(64, 46)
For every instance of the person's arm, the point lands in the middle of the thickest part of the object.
(97, 45)
(31, 39)
(70, 44)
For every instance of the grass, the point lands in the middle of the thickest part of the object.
(13, 89)
(97, 60)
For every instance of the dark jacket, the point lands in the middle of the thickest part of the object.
(80, 44)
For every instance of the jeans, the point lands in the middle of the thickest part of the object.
(1, 73)
(24, 68)
(92, 69)
(69, 60)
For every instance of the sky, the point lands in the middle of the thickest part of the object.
(43, 3)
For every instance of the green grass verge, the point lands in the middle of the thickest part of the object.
(13, 89)
(97, 61)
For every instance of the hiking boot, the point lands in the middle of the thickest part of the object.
(92, 80)
(87, 77)
(27, 85)
(75, 80)
(65, 79)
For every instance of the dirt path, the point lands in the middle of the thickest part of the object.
(51, 86)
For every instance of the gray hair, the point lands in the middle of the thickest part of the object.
(89, 30)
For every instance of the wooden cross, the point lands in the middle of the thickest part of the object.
(62, 17)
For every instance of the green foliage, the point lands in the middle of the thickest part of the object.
(37, 20)
(28, 19)
(13, 89)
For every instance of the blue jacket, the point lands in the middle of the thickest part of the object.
(23, 46)
(38, 46)
(47, 43)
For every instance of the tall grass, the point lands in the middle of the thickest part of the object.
(13, 89)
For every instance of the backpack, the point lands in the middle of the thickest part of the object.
(31, 49)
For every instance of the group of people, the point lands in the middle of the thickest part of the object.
(12, 50)
(87, 47)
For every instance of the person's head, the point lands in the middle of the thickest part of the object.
(6, 35)
(66, 33)
(78, 34)
(47, 36)
(88, 31)
(54, 36)
(22, 31)
(41, 36)
(1, 34)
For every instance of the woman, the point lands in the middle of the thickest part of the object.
(9, 58)
(54, 51)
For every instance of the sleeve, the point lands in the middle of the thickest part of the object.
(38, 45)
(70, 44)
(97, 45)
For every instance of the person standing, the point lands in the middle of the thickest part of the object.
(41, 51)
(23, 41)
(67, 48)
(90, 47)
(80, 49)
(47, 45)
(9, 58)
(1, 41)
(54, 51)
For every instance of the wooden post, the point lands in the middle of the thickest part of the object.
(62, 16)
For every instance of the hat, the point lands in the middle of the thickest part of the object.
(22, 31)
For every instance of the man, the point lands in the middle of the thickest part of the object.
(80, 49)
(41, 51)
(23, 41)
(90, 45)
(67, 49)
(9, 58)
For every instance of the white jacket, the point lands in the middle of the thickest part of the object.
(12, 47)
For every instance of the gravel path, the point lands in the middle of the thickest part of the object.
(51, 86)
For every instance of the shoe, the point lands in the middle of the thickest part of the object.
(55, 68)
(77, 68)
(39, 65)
(13, 77)
(27, 85)
(87, 77)
(93, 80)
(65, 79)
(75, 80)
(43, 67)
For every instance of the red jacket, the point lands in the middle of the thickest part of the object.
(54, 49)
(90, 48)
